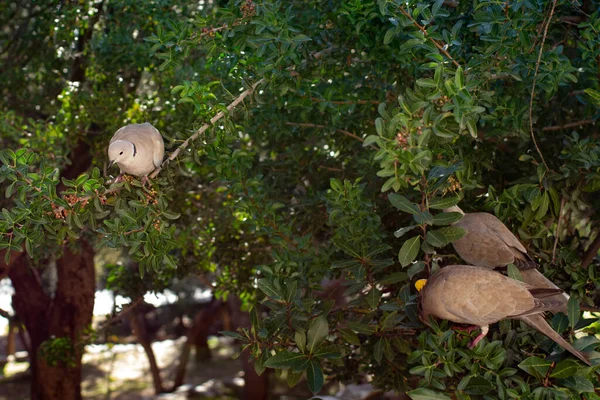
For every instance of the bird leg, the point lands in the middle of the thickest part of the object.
(484, 331)
(145, 180)
(118, 179)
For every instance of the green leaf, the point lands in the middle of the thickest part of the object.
(378, 351)
(441, 203)
(234, 335)
(586, 344)
(574, 311)
(415, 269)
(392, 278)
(286, 359)
(459, 78)
(370, 140)
(472, 128)
(350, 337)
(577, 383)
(543, 207)
(535, 366)
(344, 263)
(314, 376)
(336, 185)
(171, 215)
(373, 297)
(436, 238)
(254, 319)
(293, 378)
(447, 218)
(318, 330)
(423, 217)
(565, 369)
(359, 327)
(389, 35)
(513, 272)
(403, 204)
(389, 184)
(478, 385)
(269, 289)
(426, 82)
(300, 339)
(10, 189)
(28, 247)
(379, 126)
(400, 232)
(436, 7)
(452, 233)
(291, 291)
(409, 250)
(426, 394)
(560, 322)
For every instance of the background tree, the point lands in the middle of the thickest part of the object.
(350, 125)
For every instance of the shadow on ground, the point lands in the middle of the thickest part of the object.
(122, 372)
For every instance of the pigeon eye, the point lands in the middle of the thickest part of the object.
(121, 153)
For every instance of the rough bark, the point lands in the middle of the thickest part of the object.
(66, 315)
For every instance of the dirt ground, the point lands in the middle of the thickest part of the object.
(121, 372)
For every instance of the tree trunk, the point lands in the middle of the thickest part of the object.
(139, 325)
(255, 387)
(197, 336)
(64, 316)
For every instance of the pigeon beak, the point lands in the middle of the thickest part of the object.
(111, 163)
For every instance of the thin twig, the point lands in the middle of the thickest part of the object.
(340, 102)
(343, 131)
(5, 314)
(331, 168)
(537, 67)
(207, 125)
(563, 201)
(591, 252)
(422, 29)
(126, 310)
(569, 125)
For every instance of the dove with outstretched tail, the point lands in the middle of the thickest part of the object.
(471, 295)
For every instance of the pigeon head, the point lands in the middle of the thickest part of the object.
(121, 152)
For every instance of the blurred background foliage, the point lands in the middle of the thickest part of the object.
(364, 120)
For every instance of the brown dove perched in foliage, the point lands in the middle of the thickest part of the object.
(137, 149)
(489, 243)
(472, 295)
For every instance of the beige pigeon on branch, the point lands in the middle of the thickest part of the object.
(489, 243)
(138, 149)
(472, 295)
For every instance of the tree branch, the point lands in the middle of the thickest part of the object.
(5, 314)
(591, 252)
(307, 125)
(339, 102)
(563, 201)
(207, 125)
(569, 125)
(124, 311)
(537, 67)
(422, 29)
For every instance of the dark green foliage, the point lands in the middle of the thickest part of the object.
(58, 350)
(369, 119)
